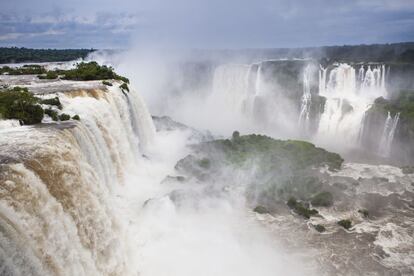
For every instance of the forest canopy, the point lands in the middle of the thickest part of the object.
(18, 55)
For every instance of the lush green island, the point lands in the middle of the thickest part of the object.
(19, 55)
(279, 172)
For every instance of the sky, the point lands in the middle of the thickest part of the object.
(119, 24)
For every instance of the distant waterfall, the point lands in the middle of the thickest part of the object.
(57, 184)
(235, 88)
(322, 80)
(388, 133)
(306, 100)
(348, 96)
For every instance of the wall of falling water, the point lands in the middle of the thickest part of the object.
(388, 134)
(306, 100)
(348, 96)
(57, 215)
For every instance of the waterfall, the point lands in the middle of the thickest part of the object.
(322, 80)
(388, 133)
(306, 100)
(235, 88)
(258, 83)
(348, 96)
(57, 184)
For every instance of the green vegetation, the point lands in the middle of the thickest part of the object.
(300, 209)
(275, 171)
(364, 213)
(204, 163)
(24, 70)
(295, 154)
(260, 210)
(18, 55)
(76, 117)
(320, 228)
(52, 114)
(107, 83)
(50, 75)
(18, 103)
(64, 117)
(324, 199)
(345, 223)
(408, 169)
(124, 87)
(92, 71)
(236, 135)
(404, 104)
(52, 101)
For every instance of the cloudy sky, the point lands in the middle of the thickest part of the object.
(203, 23)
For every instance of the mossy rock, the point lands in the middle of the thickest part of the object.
(364, 212)
(322, 199)
(345, 223)
(261, 210)
(300, 209)
(320, 228)
(408, 170)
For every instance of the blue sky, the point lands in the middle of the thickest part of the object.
(203, 24)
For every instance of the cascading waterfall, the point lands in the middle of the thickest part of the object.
(235, 88)
(348, 97)
(306, 100)
(322, 80)
(57, 215)
(388, 133)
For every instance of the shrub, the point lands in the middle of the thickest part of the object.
(124, 86)
(236, 135)
(52, 101)
(52, 114)
(50, 75)
(107, 83)
(25, 70)
(18, 103)
(64, 117)
(261, 210)
(76, 117)
(324, 199)
(92, 71)
(345, 223)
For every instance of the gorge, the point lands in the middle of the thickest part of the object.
(234, 172)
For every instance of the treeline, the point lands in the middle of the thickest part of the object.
(386, 53)
(18, 55)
